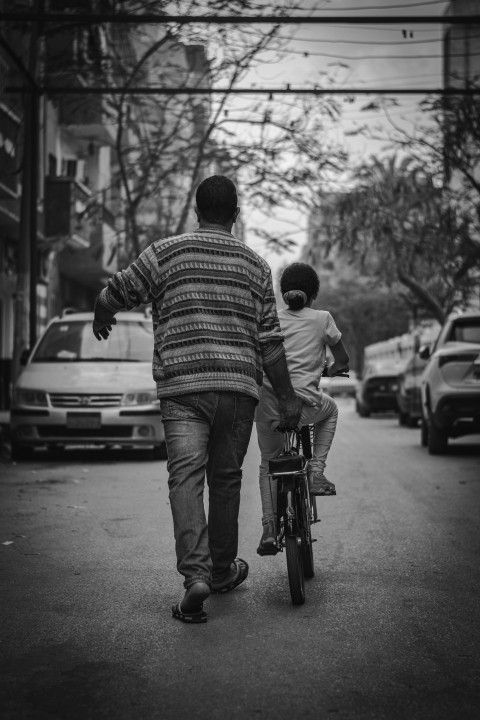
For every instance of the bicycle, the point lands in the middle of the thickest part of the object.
(296, 508)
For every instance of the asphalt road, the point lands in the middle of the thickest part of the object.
(390, 628)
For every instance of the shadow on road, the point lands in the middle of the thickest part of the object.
(77, 455)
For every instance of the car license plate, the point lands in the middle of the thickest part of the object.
(84, 421)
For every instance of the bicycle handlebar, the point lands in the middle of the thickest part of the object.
(325, 373)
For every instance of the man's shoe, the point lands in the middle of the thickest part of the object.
(319, 485)
(190, 610)
(268, 541)
(238, 573)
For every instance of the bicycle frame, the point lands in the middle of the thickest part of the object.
(290, 472)
(295, 513)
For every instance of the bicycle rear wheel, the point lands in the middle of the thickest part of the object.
(306, 535)
(296, 579)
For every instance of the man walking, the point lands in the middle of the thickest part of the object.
(215, 330)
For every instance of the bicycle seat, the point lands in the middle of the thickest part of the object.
(286, 464)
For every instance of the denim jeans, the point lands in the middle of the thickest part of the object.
(206, 433)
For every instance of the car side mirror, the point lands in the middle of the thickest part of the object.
(424, 352)
(24, 357)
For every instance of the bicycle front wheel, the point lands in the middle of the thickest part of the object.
(307, 552)
(296, 579)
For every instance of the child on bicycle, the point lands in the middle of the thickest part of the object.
(307, 334)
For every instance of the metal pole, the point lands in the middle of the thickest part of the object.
(158, 19)
(290, 90)
(34, 108)
(34, 161)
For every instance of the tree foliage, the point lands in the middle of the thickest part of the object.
(402, 227)
(364, 314)
(275, 149)
(437, 261)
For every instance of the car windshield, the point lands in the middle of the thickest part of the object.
(74, 341)
(466, 331)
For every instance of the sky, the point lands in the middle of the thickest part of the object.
(371, 56)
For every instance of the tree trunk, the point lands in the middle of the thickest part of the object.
(426, 300)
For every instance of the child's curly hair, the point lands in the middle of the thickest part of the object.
(298, 284)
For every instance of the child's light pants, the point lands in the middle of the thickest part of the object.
(271, 445)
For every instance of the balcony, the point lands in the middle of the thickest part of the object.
(75, 57)
(86, 117)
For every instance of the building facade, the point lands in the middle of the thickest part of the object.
(81, 202)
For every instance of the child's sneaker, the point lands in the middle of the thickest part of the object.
(268, 541)
(318, 483)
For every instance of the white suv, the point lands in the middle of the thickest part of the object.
(450, 385)
(75, 390)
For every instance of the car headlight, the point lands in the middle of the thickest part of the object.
(24, 396)
(146, 397)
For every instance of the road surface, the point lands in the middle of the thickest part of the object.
(390, 628)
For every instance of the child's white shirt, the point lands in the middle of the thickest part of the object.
(307, 333)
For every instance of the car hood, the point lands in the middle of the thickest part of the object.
(105, 377)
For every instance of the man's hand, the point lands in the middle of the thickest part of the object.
(103, 329)
(103, 321)
(290, 411)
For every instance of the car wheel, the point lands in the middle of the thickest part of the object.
(412, 421)
(20, 452)
(402, 418)
(437, 440)
(423, 432)
(160, 451)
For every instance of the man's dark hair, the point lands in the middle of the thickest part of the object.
(299, 276)
(216, 199)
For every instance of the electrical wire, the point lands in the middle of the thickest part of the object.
(390, 7)
(307, 53)
(404, 42)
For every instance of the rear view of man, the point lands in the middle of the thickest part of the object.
(215, 331)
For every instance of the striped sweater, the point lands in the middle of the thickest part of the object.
(214, 315)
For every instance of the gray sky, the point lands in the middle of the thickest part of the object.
(370, 56)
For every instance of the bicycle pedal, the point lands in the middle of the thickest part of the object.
(314, 540)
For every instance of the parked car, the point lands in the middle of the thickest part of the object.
(377, 389)
(75, 390)
(450, 386)
(408, 394)
(335, 385)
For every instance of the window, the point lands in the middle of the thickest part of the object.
(73, 341)
(466, 331)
